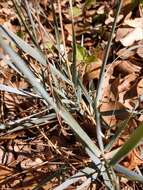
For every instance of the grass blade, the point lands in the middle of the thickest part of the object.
(101, 82)
(16, 91)
(86, 172)
(129, 174)
(74, 52)
(102, 170)
(130, 144)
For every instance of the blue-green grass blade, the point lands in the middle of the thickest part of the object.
(129, 145)
(132, 175)
(86, 172)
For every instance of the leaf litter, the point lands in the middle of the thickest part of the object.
(29, 154)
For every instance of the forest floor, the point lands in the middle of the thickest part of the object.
(37, 149)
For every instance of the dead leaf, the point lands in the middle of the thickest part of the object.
(135, 23)
(131, 32)
(133, 160)
(110, 18)
(92, 71)
(124, 68)
(127, 82)
(128, 6)
(28, 163)
(122, 32)
(112, 106)
(124, 53)
(135, 35)
(114, 88)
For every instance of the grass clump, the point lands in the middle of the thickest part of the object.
(76, 145)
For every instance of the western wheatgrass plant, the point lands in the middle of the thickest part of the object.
(59, 108)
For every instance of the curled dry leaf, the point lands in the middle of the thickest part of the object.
(28, 163)
(92, 71)
(135, 23)
(131, 32)
(124, 68)
(135, 35)
(112, 107)
(122, 32)
(133, 160)
(127, 82)
(125, 53)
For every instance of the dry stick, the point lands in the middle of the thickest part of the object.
(101, 82)
(49, 141)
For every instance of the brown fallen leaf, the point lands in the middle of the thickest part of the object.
(110, 18)
(131, 31)
(135, 23)
(127, 82)
(92, 71)
(124, 53)
(128, 6)
(114, 88)
(133, 160)
(124, 67)
(135, 35)
(112, 106)
(122, 32)
(28, 163)
(108, 94)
